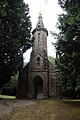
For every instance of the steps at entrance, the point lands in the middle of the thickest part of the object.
(40, 96)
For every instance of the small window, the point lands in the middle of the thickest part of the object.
(38, 36)
(38, 61)
(38, 26)
(38, 33)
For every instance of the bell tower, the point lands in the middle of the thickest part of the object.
(40, 34)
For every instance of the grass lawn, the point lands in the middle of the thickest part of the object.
(47, 110)
(7, 97)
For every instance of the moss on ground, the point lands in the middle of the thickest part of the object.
(7, 97)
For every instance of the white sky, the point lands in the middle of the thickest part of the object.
(50, 10)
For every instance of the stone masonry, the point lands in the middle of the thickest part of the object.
(38, 79)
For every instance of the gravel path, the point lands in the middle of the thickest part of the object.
(6, 106)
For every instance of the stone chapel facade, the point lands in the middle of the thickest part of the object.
(38, 76)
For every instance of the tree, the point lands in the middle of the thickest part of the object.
(13, 82)
(15, 37)
(52, 60)
(3, 4)
(68, 45)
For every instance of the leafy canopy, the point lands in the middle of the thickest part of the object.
(15, 36)
(68, 45)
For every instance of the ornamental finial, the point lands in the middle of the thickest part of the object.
(40, 13)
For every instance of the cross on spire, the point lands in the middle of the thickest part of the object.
(40, 13)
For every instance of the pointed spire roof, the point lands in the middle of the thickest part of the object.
(40, 25)
(40, 22)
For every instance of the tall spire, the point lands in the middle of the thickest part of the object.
(40, 25)
(40, 22)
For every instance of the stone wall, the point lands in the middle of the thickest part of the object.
(31, 77)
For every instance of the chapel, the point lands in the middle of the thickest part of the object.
(38, 77)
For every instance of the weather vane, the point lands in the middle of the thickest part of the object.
(40, 13)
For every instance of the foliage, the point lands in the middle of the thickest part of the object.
(7, 97)
(68, 45)
(13, 82)
(52, 60)
(15, 37)
(3, 4)
(25, 63)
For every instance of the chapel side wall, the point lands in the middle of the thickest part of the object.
(22, 83)
(53, 83)
(32, 75)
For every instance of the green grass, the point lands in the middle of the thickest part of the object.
(7, 97)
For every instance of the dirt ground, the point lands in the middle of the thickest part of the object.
(39, 110)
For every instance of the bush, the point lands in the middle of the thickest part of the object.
(13, 82)
(10, 87)
(9, 91)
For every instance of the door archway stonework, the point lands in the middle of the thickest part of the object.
(38, 87)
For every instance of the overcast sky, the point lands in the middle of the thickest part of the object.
(50, 10)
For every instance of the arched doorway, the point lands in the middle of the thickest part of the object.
(38, 87)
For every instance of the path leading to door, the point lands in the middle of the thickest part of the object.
(44, 110)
